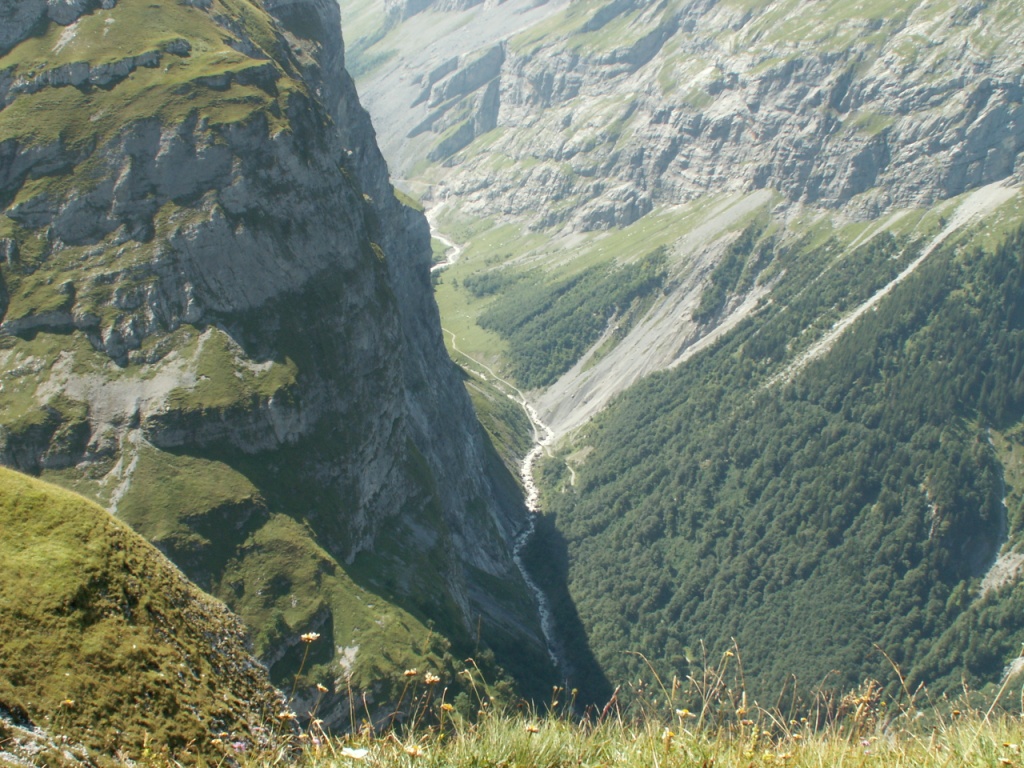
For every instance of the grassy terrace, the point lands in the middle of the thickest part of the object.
(170, 91)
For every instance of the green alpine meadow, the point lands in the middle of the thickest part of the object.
(520, 383)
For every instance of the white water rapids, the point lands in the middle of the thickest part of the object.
(454, 250)
(542, 437)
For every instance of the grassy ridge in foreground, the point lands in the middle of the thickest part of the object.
(561, 744)
(104, 642)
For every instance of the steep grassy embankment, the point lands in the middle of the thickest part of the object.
(104, 642)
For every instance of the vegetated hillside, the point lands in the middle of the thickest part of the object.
(550, 325)
(829, 520)
(105, 644)
(217, 321)
(806, 486)
(554, 132)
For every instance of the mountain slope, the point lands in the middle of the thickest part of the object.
(831, 192)
(606, 111)
(105, 643)
(217, 322)
(856, 506)
(683, 117)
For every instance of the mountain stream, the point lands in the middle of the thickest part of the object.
(542, 437)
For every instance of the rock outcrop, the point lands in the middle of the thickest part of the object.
(607, 113)
(204, 262)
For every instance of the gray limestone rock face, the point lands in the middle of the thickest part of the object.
(259, 221)
(403, 9)
(674, 101)
(65, 12)
(18, 18)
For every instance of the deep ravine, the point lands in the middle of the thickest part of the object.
(542, 437)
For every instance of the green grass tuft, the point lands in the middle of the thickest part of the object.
(701, 721)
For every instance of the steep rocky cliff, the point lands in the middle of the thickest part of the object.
(217, 321)
(605, 112)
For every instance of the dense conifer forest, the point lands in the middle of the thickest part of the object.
(833, 524)
(550, 325)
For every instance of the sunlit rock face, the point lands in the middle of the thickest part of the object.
(202, 256)
(606, 111)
